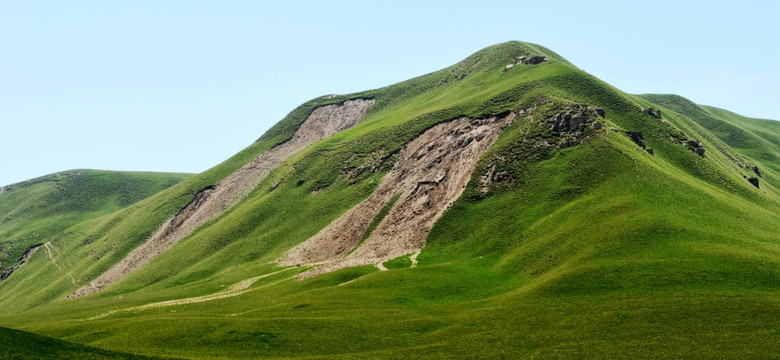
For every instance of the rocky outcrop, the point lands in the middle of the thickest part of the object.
(508, 67)
(753, 181)
(430, 174)
(4, 274)
(652, 112)
(209, 202)
(638, 138)
(575, 118)
(566, 128)
(695, 146)
(756, 170)
(534, 60)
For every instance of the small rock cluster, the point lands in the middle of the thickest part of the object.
(638, 138)
(533, 60)
(571, 123)
(692, 145)
(755, 170)
(695, 146)
(652, 112)
(551, 129)
(753, 181)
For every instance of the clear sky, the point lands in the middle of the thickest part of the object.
(182, 85)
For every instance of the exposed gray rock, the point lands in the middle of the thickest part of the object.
(694, 143)
(597, 125)
(509, 66)
(533, 60)
(695, 146)
(574, 117)
(637, 138)
(567, 144)
(755, 170)
(650, 151)
(753, 181)
(520, 59)
(652, 112)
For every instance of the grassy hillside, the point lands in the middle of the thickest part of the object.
(20, 345)
(35, 211)
(601, 249)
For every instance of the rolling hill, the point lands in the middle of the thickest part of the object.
(34, 212)
(511, 205)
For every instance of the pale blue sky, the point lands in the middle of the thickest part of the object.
(182, 85)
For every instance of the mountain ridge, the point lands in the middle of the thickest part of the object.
(593, 213)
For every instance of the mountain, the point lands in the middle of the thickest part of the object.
(509, 205)
(34, 212)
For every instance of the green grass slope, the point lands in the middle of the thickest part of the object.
(597, 250)
(756, 139)
(34, 211)
(20, 345)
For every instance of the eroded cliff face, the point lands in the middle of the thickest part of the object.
(323, 122)
(431, 173)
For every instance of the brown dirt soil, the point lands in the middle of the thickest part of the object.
(323, 122)
(431, 173)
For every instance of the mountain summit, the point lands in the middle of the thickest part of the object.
(510, 205)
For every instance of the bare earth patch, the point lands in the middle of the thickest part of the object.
(431, 173)
(323, 122)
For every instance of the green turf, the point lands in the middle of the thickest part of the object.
(20, 345)
(35, 211)
(600, 250)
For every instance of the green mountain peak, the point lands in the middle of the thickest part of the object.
(510, 205)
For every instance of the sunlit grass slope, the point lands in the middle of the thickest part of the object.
(597, 250)
(34, 211)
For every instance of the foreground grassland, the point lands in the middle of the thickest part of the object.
(599, 250)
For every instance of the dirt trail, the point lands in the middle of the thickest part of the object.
(323, 122)
(414, 258)
(380, 266)
(236, 289)
(431, 173)
(48, 246)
